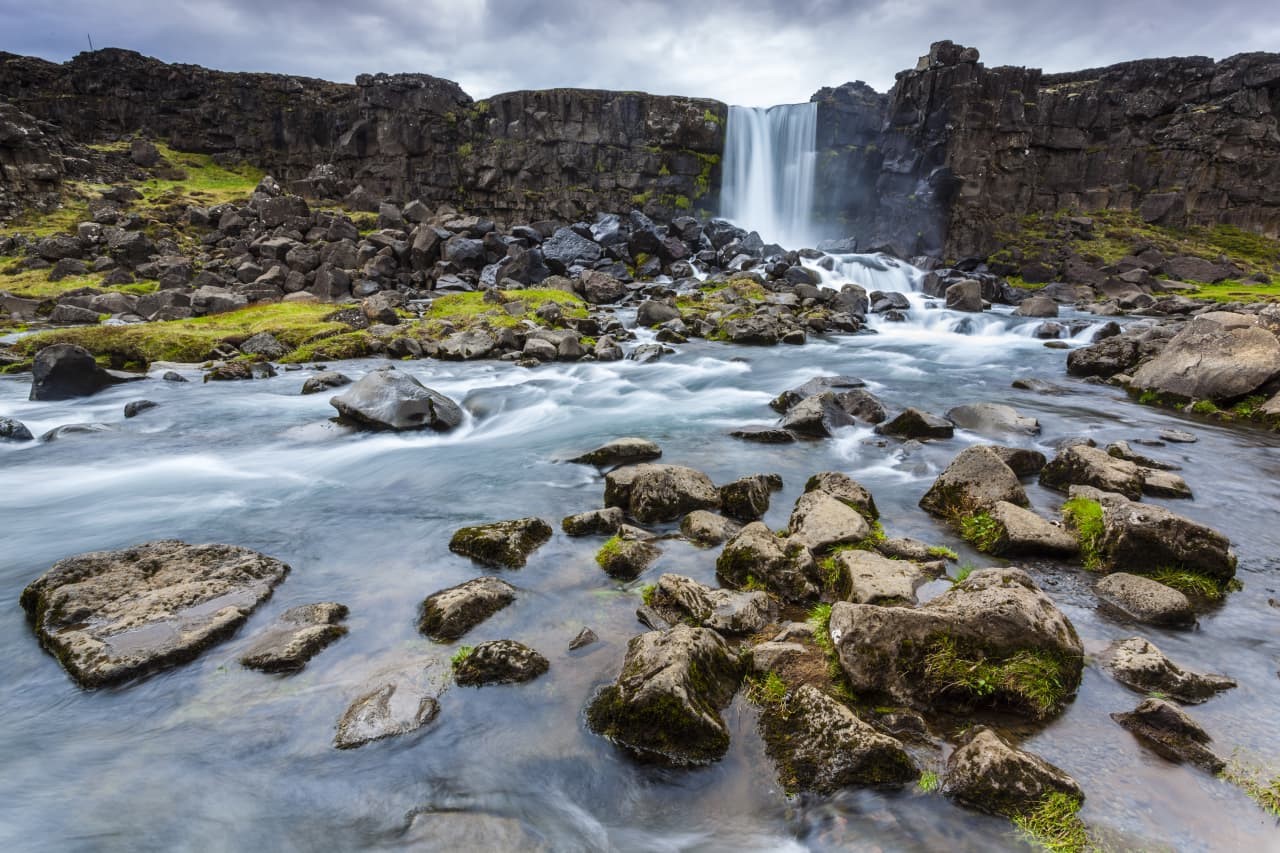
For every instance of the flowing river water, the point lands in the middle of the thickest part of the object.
(211, 756)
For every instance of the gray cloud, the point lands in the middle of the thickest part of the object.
(752, 52)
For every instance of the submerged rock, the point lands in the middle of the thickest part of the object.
(783, 566)
(65, 371)
(819, 745)
(499, 662)
(109, 616)
(452, 612)
(402, 704)
(1145, 600)
(620, 451)
(296, 637)
(136, 407)
(1138, 664)
(986, 773)
(446, 831)
(387, 399)
(666, 703)
(1171, 733)
(506, 544)
(765, 435)
(677, 597)
(14, 430)
(994, 639)
(993, 419)
(325, 380)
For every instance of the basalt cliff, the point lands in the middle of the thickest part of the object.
(944, 164)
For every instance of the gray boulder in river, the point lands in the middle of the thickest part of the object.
(388, 399)
(986, 773)
(64, 371)
(109, 616)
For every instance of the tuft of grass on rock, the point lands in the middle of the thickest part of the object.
(1055, 824)
(1029, 678)
(767, 690)
(460, 656)
(982, 531)
(1190, 583)
(1085, 517)
(1254, 781)
(942, 552)
(928, 782)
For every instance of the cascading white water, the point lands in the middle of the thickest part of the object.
(769, 157)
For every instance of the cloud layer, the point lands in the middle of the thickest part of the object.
(755, 52)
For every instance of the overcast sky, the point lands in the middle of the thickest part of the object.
(755, 52)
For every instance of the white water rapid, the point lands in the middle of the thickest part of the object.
(769, 157)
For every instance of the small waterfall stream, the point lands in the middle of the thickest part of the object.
(769, 157)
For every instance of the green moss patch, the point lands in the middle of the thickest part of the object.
(1055, 824)
(1033, 680)
(982, 531)
(468, 310)
(1191, 583)
(1085, 517)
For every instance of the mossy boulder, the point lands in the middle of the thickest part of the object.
(988, 774)
(452, 612)
(758, 559)
(819, 745)
(626, 558)
(505, 544)
(1081, 465)
(977, 478)
(665, 705)
(655, 493)
(499, 662)
(993, 640)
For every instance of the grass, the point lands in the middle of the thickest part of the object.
(191, 340)
(611, 549)
(1190, 583)
(1055, 824)
(962, 574)
(646, 592)
(35, 284)
(204, 183)
(982, 531)
(1085, 517)
(460, 656)
(928, 782)
(820, 622)
(1254, 781)
(1029, 678)
(769, 690)
(466, 310)
(942, 552)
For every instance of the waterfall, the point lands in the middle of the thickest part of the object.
(769, 157)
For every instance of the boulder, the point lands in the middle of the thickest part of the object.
(298, 635)
(597, 521)
(652, 313)
(133, 408)
(986, 773)
(655, 493)
(1145, 600)
(817, 416)
(403, 703)
(1081, 465)
(864, 577)
(389, 399)
(14, 430)
(1138, 664)
(109, 616)
(582, 639)
(1020, 532)
(1163, 484)
(600, 288)
(499, 662)
(1022, 462)
(757, 556)
(994, 639)
(452, 612)
(821, 521)
(323, 381)
(620, 451)
(964, 296)
(1212, 360)
(1171, 733)
(819, 384)
(626, 558)
(65, 371)
(914, 423)
(505, 544)
(819, 745)
(665, 705)
(747, 498)
(993, 419)
(1037, 306)
(1106, 358)
(846, 490)
(678, 598)
(976, 479)
(706, 528)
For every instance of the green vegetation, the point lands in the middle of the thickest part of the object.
(941, 552)
(460, 656)
(466, 310)
(1190, 582)
(35, 284)
(1254, 781)
(610, 550)
(201, 181)
(647, 591)
(1032, 679)
(754, 584)
(1204, 407)
(641, 199)
(136, 346)
(1085, 517)
(1055, 824)
(928, 782)
(465, 149)
(710, 117)
(982, 531)
(962, 574)
(769, 690)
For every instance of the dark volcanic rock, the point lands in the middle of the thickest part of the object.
(63, 371)
(914, 423)
(109, 616)
(14, 430)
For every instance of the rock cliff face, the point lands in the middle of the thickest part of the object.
(526, 155)
(954, 155)
(965, 150)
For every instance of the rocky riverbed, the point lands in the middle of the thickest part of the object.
(370, 521)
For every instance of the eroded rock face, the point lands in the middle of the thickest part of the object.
(109, 616)
(864, 577)
(451, 613)
(507, 544)
(784, 566)
(977, 478)
(986, 773)
(1138, 664)
(919, 656)
(500, 662)
(296, 637)
(654, 493)
(820, 745)
(727, 611)
(1170, 732)
(666, 703)
(387, 399)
